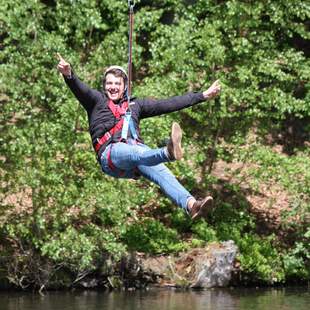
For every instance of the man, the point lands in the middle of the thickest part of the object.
(116, 137)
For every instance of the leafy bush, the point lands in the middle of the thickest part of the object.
(153, 237)
(260, 259)
(296, 260)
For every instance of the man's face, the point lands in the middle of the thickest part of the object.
(114, 87)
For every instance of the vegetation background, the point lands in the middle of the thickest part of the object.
(61, 218)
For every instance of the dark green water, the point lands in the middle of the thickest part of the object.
(158, 299)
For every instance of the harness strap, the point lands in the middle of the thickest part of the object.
(127, 121)
(122, 111)
(123, 124)
(109, 134)
(133, 130)
(110, 163)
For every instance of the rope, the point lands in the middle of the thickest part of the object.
(131, 5)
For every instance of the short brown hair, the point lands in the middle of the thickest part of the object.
(116, 72)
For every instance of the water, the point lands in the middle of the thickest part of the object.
(160, 299)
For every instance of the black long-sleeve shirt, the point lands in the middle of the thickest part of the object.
(101, 118)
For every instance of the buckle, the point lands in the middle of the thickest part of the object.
(104, 138)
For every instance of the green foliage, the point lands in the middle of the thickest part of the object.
(54, 199)
(295, 258)
(204, 232)
(153, 237)
(260, 259)
(292, 172)
(289, 172)
(81, 249)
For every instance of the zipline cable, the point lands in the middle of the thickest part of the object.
(128, 123)
(131, 5)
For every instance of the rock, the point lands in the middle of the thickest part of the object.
(216, 270)
(90, 283)
(207, 267)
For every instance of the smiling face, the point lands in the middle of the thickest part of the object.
(114, 87)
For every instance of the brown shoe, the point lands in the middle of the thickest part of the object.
(201, 208)
(174, 148)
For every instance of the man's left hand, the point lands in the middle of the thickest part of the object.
(213, 90)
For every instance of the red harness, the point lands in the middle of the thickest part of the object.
(118, 112)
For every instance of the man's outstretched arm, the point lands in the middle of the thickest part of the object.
(157, 107)
(82, 92)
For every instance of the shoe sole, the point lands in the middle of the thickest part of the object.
(176, 138)
(206, 207)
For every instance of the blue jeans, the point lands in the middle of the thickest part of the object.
(128, 158)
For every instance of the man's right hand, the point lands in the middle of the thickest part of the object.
(63, 66)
